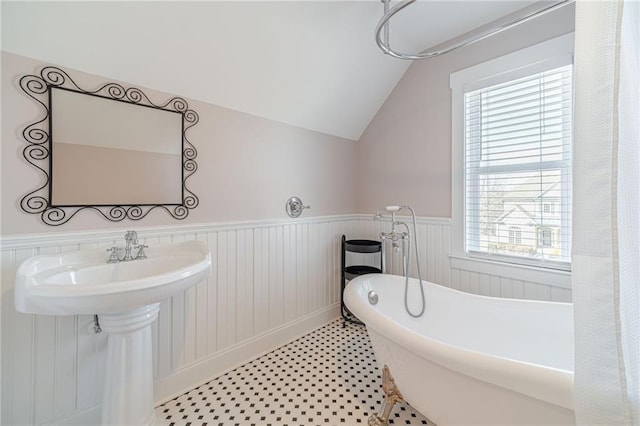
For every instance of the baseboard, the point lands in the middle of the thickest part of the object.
(89, 417)
(207, 369)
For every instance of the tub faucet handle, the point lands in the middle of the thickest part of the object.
(294, 206)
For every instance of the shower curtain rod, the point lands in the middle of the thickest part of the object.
(480, 33)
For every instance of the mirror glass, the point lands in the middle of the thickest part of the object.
(110, 152)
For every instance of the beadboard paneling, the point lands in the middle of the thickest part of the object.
(435, 265)
(270, 282)
(265, 277)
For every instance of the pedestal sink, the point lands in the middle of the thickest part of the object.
(126, 297)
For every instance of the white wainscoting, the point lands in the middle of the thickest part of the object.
(436, 266)
(271, 282)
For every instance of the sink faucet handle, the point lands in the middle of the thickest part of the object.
(141, 254)
(113, 258)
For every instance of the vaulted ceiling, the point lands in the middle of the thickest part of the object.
(312, 64)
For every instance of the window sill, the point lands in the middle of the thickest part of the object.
(551, 277)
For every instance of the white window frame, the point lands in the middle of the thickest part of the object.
(550, 54)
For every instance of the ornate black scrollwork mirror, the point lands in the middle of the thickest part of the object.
(111, 150)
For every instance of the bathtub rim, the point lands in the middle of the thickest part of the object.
(515, 375)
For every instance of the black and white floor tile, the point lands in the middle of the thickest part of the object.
(327, 377)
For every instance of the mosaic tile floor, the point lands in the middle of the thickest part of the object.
(328, 377)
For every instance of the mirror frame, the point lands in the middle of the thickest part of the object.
(39, 148)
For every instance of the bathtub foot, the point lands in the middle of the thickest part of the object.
(392, 395)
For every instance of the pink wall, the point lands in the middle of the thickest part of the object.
(247, 166)
(404, 154)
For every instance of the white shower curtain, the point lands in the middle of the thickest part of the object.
(606, 233)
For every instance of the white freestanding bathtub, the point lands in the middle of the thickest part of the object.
(471, 360)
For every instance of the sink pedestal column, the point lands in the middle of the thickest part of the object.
(128, 390)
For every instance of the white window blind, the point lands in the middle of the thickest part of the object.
(518, 137)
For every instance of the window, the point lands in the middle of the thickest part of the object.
(515, 235)
(512, 152)
(545, 237)
(518, 158)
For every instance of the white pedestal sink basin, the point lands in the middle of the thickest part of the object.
(126, 297)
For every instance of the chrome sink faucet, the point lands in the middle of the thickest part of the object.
(131, 238)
